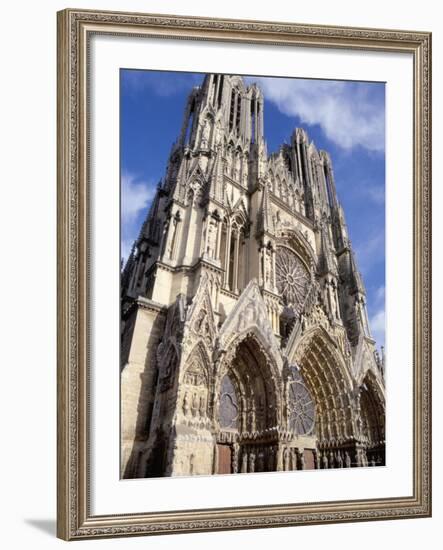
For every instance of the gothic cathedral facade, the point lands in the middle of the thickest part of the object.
(245, 341)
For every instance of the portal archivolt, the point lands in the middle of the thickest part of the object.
(248, 409)
(324, 372)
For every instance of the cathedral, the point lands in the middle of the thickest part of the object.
(245, 341)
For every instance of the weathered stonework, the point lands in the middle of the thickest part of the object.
(246, 345)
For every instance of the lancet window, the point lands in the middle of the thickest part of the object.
(190, 123)
(232, 254)
(229, 410)
(328, 186)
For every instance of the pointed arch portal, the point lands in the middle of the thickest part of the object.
(248, 409)
(349, 421)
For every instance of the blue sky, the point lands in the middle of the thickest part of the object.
(347, 119)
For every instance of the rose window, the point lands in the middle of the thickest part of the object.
(292, 278)
(301, 406)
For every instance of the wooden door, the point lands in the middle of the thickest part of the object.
(308, 456)
(224, 459)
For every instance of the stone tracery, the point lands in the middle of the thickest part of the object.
(292, 278)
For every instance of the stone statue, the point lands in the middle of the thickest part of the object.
(186, 404)
(325, 461)
(339, 460)
(251, 462)
(302, 460)
(244, 462)
(286, 457)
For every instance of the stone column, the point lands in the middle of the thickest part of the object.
(236, 257)
(219, 233)
(261, 275)
(167, 237)
(317, 460)
(235, 457)
(274, 285)
(301, 459)
(204, 232)
(227, 258)
(279, 464)
(175, 236)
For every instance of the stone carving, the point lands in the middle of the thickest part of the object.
(211, 240)
(301, 406)
(249, 313)
(228, 404)
(292, 278)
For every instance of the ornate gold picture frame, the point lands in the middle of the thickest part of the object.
(75, 31)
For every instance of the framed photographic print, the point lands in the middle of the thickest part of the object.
(244, 274)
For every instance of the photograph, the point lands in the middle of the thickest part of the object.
(252, 274)
(243, 271)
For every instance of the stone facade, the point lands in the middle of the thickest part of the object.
(245, 342)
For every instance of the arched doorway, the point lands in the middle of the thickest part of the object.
(372, 425)
(324, 372)
(248, 410)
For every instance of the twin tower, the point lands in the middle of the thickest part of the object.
(245, 341)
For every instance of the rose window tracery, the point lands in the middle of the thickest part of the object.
(301, 405)
(228, 404)
(292, 278)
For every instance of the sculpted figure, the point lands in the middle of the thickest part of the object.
(339, 460)
(325, 461)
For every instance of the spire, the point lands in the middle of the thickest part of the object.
(128, 267)
(180, 179)
(149, 228)
(217, 176)
(356, 280)
(265, 223)
(326, 263)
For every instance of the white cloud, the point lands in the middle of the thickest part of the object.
(126, 246)
(349, 114)
(370, 252)
(380, 295)
(376, 193)
(135, 196)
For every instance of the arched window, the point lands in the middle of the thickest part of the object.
(232, 254)
(278, 186)
(232, 111)
(328, 185)
(253, 121)
(292, 278)
(238, 114)
(214, 88)
(220, 91)
(190, 124)
(231, 265)
(301, 413)
(228, 413)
